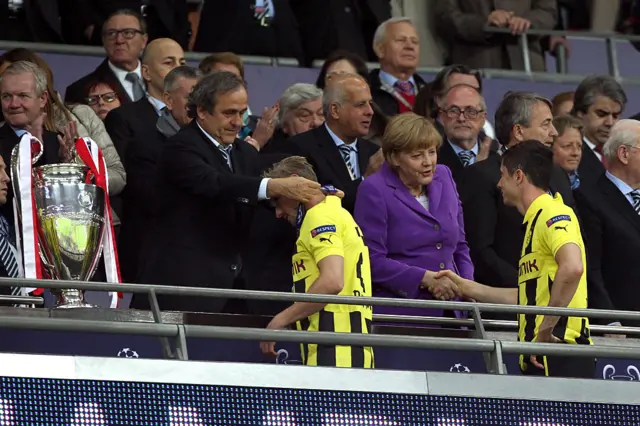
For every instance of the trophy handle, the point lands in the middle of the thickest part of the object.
(15, 162)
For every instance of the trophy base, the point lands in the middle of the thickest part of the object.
(71, 299)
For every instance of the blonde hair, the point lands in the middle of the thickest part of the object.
(290, 166)
(409, 132)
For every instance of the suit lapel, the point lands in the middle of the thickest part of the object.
(331, 154)
(238, 159)
(618, 201)
(448, 157)
(590, 165)
(363, 156)
(211, 147)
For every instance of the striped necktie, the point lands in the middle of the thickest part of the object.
(346, 151)
(404, 87)
(635, 197)
(465, 157)
(226, 154)
(7, 255)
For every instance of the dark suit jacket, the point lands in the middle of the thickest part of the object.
(385, 101)
(328, 25)
(42, 17)
(200, 224)
(590, 168)
(448, 157)
(461, 23)
(77, 91)
(166, 18)
(612, 238)
(126, 123)
(230, 26)
(494, 230)
(8, 140)
(138, 199)
(323, 154)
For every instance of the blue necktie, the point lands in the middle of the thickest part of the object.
(465, 157)
(7, 255)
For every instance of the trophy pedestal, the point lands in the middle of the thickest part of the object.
(71, 299)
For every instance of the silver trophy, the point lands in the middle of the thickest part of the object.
(69, 224)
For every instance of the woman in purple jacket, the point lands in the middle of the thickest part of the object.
(411, 218)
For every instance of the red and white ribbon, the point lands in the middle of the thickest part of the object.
(28, 238)
(91, 155)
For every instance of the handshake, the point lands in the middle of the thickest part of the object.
(444, 285)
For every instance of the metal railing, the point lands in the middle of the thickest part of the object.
(492, 349)
(528, 75)
(610, 40)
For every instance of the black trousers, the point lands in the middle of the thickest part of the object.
(561, 366)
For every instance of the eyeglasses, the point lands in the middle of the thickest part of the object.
(127, 33)
(106, 98)
(469, 112)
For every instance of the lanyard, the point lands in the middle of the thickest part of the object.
(327, 190)
(393, 92)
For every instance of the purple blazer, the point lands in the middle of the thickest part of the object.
(405, 239)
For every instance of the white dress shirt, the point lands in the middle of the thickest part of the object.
(592, 146)
(262, 190)
(121, 75)
(353, 155)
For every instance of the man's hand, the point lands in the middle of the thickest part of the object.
(545, 335)
(254, 143)
(459, 282)
(294, 187)
(375, 162)
(266, 126)
(555, 41)
(268, 348)
(615, 336)
(68, 141)
(442, 288)
(499, 18)
(484, 149)
(519, 25)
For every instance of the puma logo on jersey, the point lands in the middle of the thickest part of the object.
(327, 238)
(562, 227)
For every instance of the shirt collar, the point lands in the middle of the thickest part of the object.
(590, 144)
(537, 203)
(122, 74)
(619, 183)
(215, 142)
(157, 104)
(458, 149)
(390, 80)
(339, 141)
(19, 132)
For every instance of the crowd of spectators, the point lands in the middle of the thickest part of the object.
(186, 158)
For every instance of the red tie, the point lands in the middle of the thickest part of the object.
(598, 149)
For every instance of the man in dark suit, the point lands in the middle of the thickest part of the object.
(598, 101)
(142, 160)
(26, 114)
(395, 84)
(462, 115)
(249, 27)
(336, 150)
(82, 20)
(494, 230)
(124, 37)
(30, 20)
(328, 25)
(207, 186)
(126, 123)
(610, 212)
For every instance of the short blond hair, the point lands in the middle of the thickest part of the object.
(290, 166)
(409, 132)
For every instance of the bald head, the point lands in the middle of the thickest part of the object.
(346, 103)
(338, 88)
(624, 133)
(161, 56)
